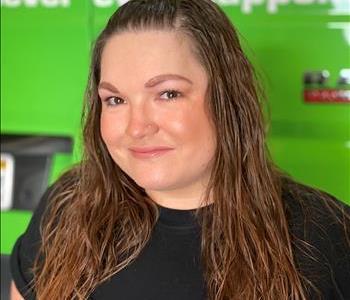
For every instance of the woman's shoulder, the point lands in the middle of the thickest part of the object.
(313, 214)
(306, 205)
(27, 245)
(319, 226)
(63, 186)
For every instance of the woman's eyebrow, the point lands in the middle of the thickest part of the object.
(150, 83)
(161, 78)
(107, 86)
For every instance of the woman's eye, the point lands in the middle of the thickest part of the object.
(170, 94)
(112, 101)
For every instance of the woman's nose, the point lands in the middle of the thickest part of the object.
(141, 122)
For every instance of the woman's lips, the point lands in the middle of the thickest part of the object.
(148, 152)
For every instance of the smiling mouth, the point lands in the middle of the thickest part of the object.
(150, 154)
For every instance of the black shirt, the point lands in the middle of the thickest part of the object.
(169, 266)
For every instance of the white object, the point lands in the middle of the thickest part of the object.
(7, 178)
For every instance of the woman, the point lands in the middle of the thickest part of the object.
(176, 197)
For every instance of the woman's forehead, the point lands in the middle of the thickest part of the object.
(157, 47)
(145, 54)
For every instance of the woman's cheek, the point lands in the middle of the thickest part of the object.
(109, 129)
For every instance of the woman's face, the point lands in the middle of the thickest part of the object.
(152, 91)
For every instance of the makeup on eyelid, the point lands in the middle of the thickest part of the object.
(176, 92)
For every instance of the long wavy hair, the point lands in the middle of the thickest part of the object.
(98, 219)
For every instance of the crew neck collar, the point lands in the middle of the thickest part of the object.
(178, 217)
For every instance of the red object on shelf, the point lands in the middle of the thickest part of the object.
(327, 96)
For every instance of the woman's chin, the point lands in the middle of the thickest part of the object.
(157, 185)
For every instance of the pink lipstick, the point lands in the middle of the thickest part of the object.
(148, 152)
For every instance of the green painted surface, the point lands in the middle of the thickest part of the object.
(44, 65)
(13, 224)
(299, 158)
(44, 59)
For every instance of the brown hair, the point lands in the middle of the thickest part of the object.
(99, 219)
